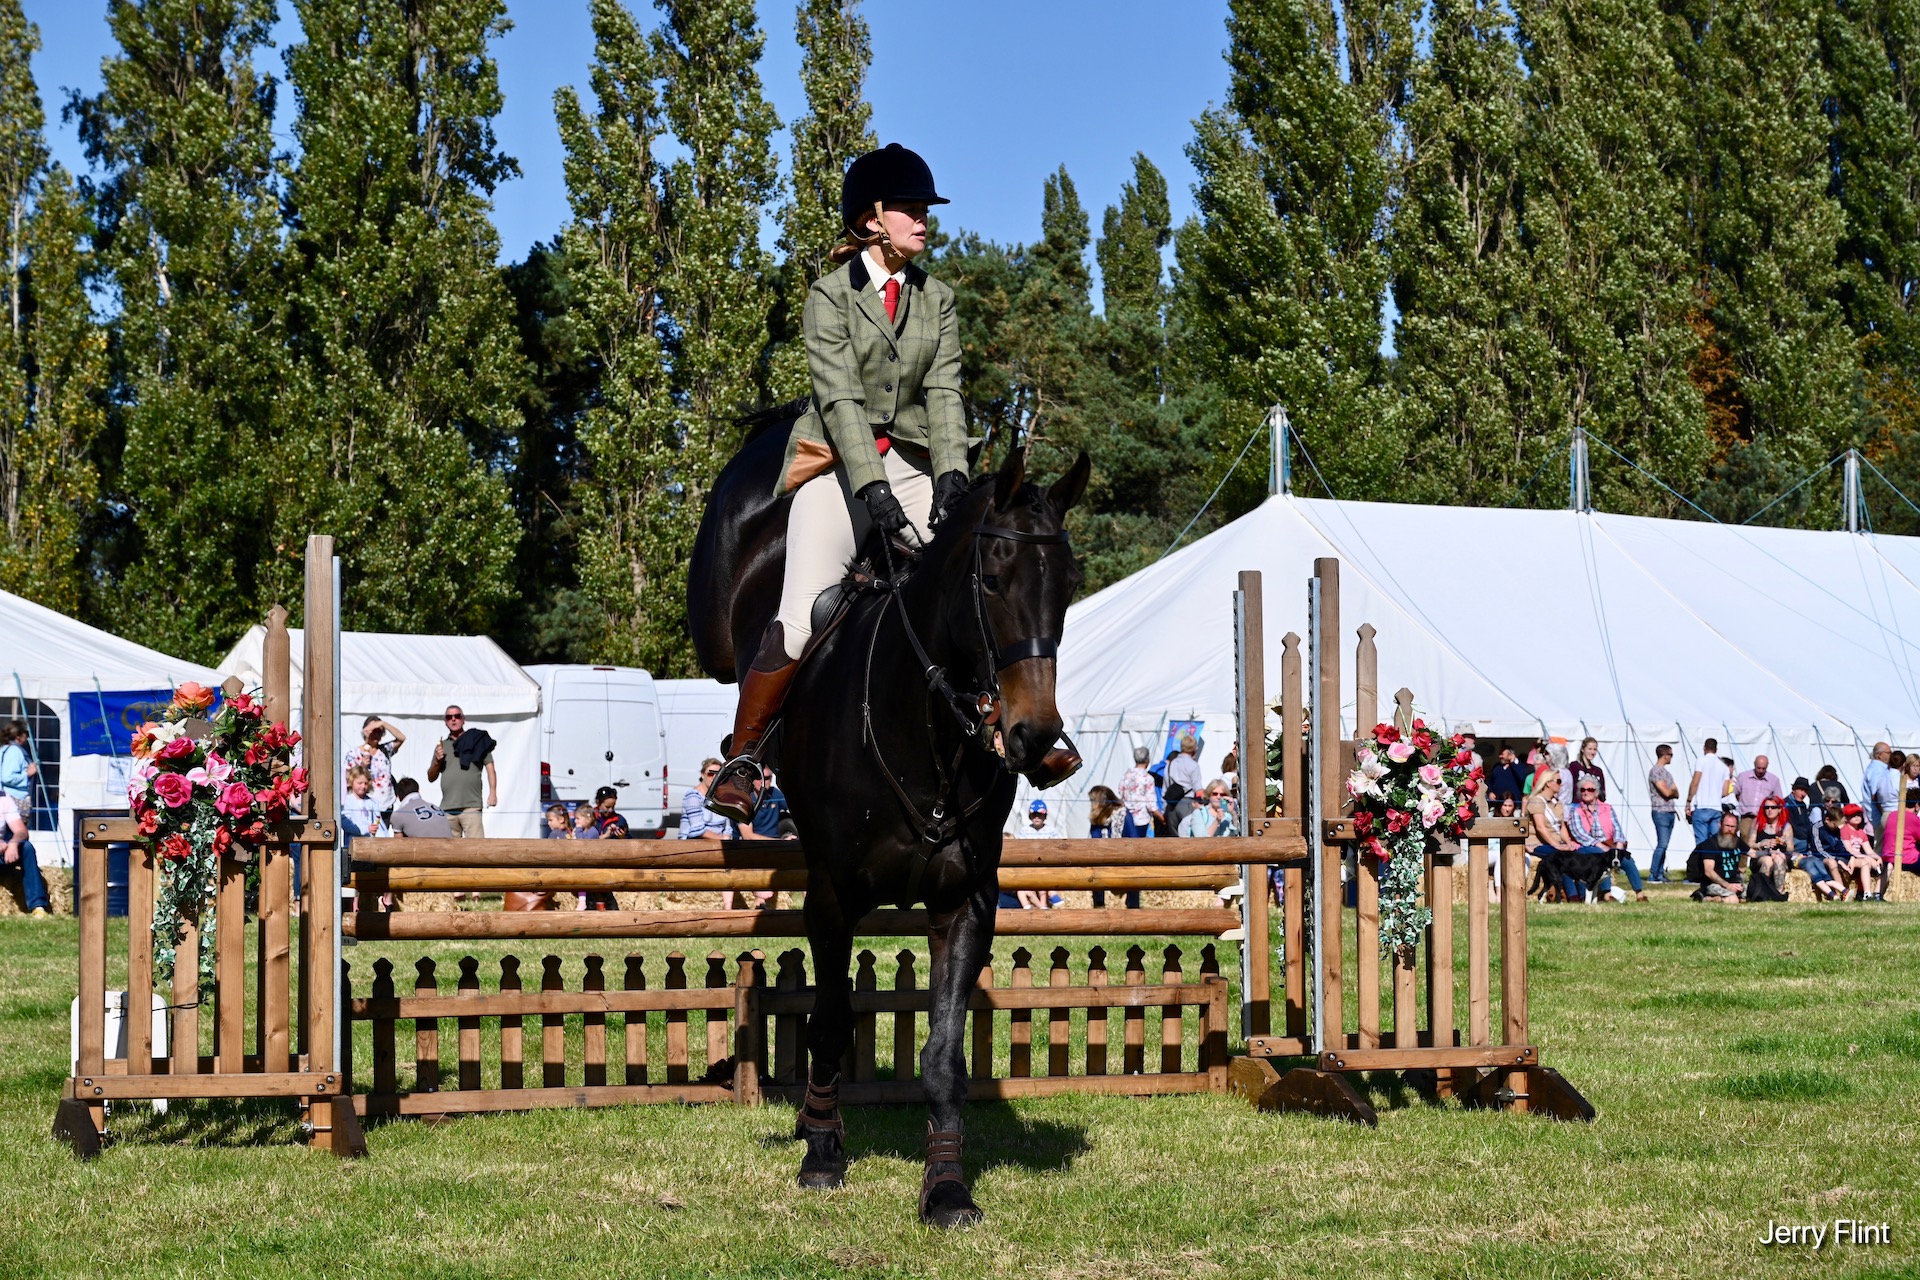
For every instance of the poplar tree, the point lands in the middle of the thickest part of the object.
(1765, 226)
(616, 256)
(835, 49)
(407, 373)
(189, 234)
(1282, 275)
(1469, 354)
(1616, 288)
(1870, 48)
(53, 482)
(23, 162)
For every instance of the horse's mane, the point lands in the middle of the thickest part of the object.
(758, 422)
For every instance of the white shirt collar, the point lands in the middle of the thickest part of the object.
(876, 272)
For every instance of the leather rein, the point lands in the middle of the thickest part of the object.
(975, 713)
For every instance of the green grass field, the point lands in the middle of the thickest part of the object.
(1748, 1064)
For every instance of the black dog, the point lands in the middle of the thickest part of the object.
(1558, 865)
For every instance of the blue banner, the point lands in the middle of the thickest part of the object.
(101, 723)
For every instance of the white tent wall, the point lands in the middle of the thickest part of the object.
(48, 658)
(410, 681)
(1787, 643)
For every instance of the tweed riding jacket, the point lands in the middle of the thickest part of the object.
(874, 378)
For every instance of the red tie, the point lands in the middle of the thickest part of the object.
(892, 292)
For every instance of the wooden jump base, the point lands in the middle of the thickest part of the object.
(747, 1026)
(292, 1054)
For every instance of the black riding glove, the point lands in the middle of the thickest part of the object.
(948, 489)
(884, 507)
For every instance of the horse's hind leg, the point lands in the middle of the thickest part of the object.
(829, 1031)
(959, 949)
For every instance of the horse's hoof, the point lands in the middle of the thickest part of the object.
(823, 1179)
(950, 1204)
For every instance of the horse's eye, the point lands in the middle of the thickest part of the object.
(991, 581)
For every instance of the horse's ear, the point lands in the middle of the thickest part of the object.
(1067, 490)
(1007, 481)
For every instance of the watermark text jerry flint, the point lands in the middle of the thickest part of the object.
(1836, 1234)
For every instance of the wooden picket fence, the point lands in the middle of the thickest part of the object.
(641, 1043)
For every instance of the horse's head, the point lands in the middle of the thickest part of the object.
(1012, 616)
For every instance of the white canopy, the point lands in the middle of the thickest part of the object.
(410, 681)
(49, 656)
(1794, 644)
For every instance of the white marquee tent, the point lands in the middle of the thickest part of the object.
(49, 657)
(1803, 646)
(411, 680)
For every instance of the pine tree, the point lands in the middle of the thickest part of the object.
(1468, 351)
(23, 162)
(632, 546)
(1282, 275)
(408, 375)
(1614, 281)
(835, 50)
(189, 234)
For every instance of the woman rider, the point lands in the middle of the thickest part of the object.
(883, 439)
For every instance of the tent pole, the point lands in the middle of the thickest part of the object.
(1279, 474)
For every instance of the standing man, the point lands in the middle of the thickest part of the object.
(1508, 777)
(1704, 793)
(1880, 786)
(1751, 789)
(1138, 795)
(1183, 771)
(460, 758)
(1663, 797)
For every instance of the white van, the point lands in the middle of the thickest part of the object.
(698, 713)
(601, 727)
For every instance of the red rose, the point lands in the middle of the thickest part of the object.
(1377, 849)
(149, 822)
(298, 779)
(244, 705)
(1363, 822)
(1419, 724)
(1385, 734)
(1462, 757)
(1470, 788)
(222, 839)
(1464, 814)
(255, 754)
(1397, 821)
(1423, 741)
(256, 831)
(175, 848)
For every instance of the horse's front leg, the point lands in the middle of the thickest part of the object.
(960, 944)
(829, 1031)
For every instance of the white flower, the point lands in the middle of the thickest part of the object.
(1372, 767)
(166, 731)
(1359, 784)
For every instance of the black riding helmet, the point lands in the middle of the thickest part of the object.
(891, 174)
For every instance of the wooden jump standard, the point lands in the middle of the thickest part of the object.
(292, 1053)
(1434, 1051)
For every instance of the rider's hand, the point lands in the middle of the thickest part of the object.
(948, 489)
(884, 507)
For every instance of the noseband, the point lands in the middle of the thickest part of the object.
(975, 714)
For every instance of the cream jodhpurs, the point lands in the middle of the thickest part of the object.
(826, 525)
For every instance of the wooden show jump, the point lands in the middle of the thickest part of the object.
(292, 1051)
(717, 1026)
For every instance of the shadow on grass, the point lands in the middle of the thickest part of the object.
(237, 1122)
(997, 1137)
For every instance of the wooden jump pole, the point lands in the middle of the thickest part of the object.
(1256, 950)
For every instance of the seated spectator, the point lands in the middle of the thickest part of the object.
(1546, 822)
(1715, 863)
(1106, 809)
(1594, 828)
(1864, 864)
(1771, 845)
(1826, 784)
(1803, 813)
(416, 818)
(1507, 779)
(1828, 857)
(586, 823)
(18, 852)
(1216, 818)
(1900, 843)
(558, 826)
(606, 814)
(1037, 828)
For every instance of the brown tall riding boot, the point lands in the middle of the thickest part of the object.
(736, 792)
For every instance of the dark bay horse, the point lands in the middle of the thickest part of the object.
(902, 733)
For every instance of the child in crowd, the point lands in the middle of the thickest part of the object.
(1830, 852)
(1105, 813)
(586, 823)
(558, 827)
(1863, 863)
(358, 809)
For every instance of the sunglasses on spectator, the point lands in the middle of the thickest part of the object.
(708, 773)
(452, 718)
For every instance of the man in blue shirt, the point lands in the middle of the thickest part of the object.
(772, 810)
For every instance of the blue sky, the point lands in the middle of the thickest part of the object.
(996, 94)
